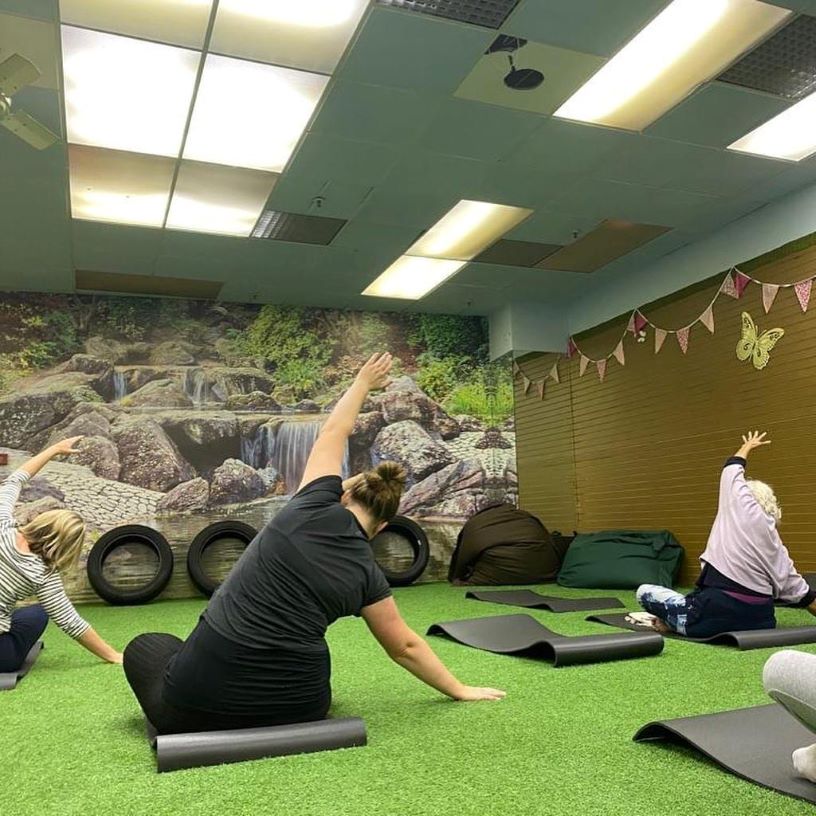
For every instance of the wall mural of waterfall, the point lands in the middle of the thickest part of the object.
(194, 411)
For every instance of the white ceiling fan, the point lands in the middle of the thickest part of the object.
(16, 72)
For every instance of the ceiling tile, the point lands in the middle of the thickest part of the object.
(39, 9)
(553, 227)
(420, 171)
(115, 247)
(36, 41)
(384, 206)
(315, 196)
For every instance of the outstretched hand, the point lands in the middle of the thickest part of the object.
(66, 446)
(751, 440)
(374, 374)
(472, 694)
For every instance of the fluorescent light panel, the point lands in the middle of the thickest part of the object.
(411, 278)
(250, 115)
(789, 135)
(181, 22)
(217, 199)
(689, 42)
(468, 229)
(126, 94)
(307, 34)
(118, 187)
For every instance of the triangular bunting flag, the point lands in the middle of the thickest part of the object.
(571, 348)
(526, 382)
(728, 287)
(618, 353)
(601, 366)
(769, 291)
(740, 282)
(803, 293)
(540, 389)
(582, 367)
(640, 322)
(516, 369)
(683, 339)
(660, 336)
(554, 372)
(631, 325)
(707, 318)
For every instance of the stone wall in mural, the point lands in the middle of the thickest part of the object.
(193, 411)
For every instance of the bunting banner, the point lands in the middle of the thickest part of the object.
(683, 338)
(660, 336)
(571, 348)
(728, 287)
(601, 366)
(554, 372)
(583, 366)
(802, 290)
(740, 282)
(618, 353)
(769, 291)
(540, 389)
(526, 382)
(640, 322)
(707, 318)
(516, 369)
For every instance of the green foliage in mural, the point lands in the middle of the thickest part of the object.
(451, 336)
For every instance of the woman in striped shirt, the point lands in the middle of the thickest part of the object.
(31, 559)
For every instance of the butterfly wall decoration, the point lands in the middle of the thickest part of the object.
(755, 346)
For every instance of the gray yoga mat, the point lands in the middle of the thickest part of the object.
(524, 635)
(9, 680)
(532, 600)
(175, 752)
(744, 641)
(754, 743)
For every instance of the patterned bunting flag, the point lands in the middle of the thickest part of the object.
(527, 383)
(660, 336)
(540, 389)
(683, 338)
(601, 366)
(769, 291)
(803, 293)
(571, 348)
(740, 282)
(640, 322)
(707, 318)
(618, 353)
(554, 372)
(728, 287)
(631, 325)
(582, 367)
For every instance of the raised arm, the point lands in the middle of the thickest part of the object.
(733, 486)
(326, 458)
(34, 465)
(406, 648)
(751, 440)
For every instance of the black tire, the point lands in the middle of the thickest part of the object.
(209, 535)
(118, 537)
(415, 536)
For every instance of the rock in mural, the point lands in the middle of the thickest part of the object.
(235, 482)
(413, 447)
(186, 497)
(158, 394)
(149, 458)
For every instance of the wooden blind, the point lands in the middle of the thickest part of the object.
(643, 449)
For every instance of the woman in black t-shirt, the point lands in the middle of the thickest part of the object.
(258, 655)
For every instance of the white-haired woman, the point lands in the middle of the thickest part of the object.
(745, 566)
(31, 558)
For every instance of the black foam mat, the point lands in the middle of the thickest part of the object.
(532, 600)
(9, 680)
(175, 752)
(744, 640)
(524, 635)
(754, 743)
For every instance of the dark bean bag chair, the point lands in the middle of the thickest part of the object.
(502, 545)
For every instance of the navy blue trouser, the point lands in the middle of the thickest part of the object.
(27, 625)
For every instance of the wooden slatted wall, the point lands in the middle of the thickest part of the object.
(643, 449)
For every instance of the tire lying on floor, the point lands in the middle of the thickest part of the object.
(400, 534)
(210, 535)
(124, 536)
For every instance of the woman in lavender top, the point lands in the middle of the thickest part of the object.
(745, 566)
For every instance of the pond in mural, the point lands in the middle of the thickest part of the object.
(193, 411)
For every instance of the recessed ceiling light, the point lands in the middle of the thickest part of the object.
(126, 94)
(410, 278)
(686, 44)
(218, 199)
(308, 34)
(250, 115)
(467, 229)
(123, 188)
(789, 135)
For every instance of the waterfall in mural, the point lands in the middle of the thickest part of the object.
(198, 387)
(255, 449)
(119, 385)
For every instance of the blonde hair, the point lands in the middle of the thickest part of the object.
(380, 490)
(766, 498)
(56, 536)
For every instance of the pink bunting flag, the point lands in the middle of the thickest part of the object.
(660, 336)
(769, 291)
(631, 325)
(618, 353)
(707, 318)
(554, 372)
(571, 348)
(683, 339)
(740, 282)
(803, 293)
(540, 389)
(526, 383)
(728, 287)
(582, 367)
(601, 366)
(640, 322)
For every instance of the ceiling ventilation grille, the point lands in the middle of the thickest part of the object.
(486, 13)
(784, 65)
(299, 229)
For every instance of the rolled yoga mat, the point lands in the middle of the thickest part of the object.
(754, 743)
(9, 680)
(175, 752)
(744, 641)
(524, 635)
(532, 600)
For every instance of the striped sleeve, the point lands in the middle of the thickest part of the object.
(9, 493)
(52, 596)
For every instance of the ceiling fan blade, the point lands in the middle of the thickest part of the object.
(16, 72)
(29, 130)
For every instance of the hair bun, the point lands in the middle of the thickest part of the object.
(391, 473)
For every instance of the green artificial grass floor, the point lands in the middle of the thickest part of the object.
(72, 740)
